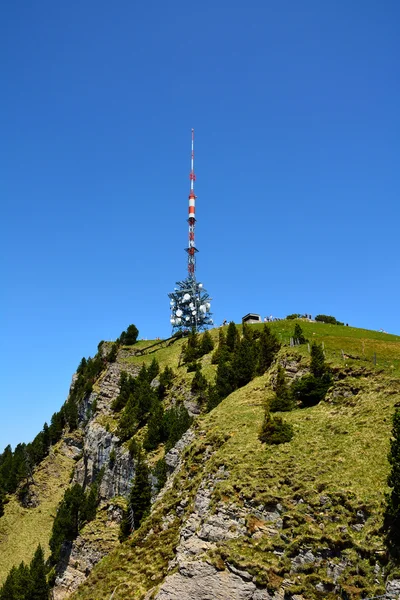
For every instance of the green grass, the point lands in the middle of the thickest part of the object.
(339, 450)
(22, 529)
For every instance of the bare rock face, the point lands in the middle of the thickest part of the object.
(118, 469)
(192, 576)
(79, 557)
(202, 581)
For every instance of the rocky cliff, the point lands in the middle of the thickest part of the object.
(236, 518)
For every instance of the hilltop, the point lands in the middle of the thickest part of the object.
(235, 517)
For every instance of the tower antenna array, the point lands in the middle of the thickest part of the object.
(191, 250)
(190, 302)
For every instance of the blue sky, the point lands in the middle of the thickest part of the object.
(295, 108)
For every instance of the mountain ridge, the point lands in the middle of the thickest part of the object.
(259, 521)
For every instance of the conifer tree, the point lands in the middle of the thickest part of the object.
(153, 370)
(176, 421)
(129, 336)
(222, 352)
(68, 520)
(225, 380)
(232, 337)
(213, 398)
(392, 516)
(166, 378)
(2, 498)
(298, 335)
(38, 588)
(244, 362)
(247, 332)
(206, 343)
(140, 496)
(268, 346)
(317, 366)
(191, 349)
(282, 400)
(155, 432)
(112, 355)
(199, 383)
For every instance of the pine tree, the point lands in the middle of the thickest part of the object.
(191, 350)
(298, 335)
(392, 516)
(112, 355)
(153, 370)
(2, 502)
(68, 520)
(213, 398)
(91, 503)
(244, 362)
(232, 337)
(199, 383)
(247, 332)
(317, 366)
(129, 336)
(176, 421)
(140, 496)
(282, 400)
(206, 344)
(17, 584)
(224, 381)
(222, 352)
(166, 378)
(39, 589)
(155, 430)
(268, 347)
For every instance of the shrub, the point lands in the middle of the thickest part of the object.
(328, 319)
(298, 335)
(275, 431)
(310, 390)
(192, 367)
(293, 316)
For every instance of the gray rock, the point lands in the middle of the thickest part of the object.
(201, 581)
(243, 574)
(173, 457)
(393, 588)
(261, 595)
(303, 559)
(117, 478)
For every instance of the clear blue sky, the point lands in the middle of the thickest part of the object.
(296, 111)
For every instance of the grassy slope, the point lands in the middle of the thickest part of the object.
(22, 529)
(339, 450)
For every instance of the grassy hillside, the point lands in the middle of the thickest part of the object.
(22, 529)
(333, 470)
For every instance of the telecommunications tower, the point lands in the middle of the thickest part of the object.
(190, 302)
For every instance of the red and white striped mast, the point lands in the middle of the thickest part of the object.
(191, 250)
